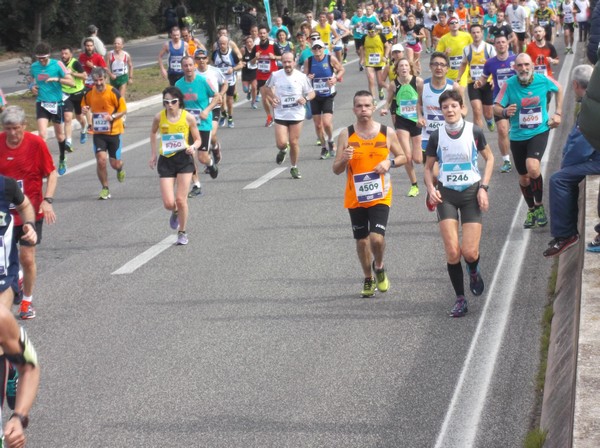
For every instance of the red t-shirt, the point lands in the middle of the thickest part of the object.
(28, 164)
(96, 59)
(540, 55)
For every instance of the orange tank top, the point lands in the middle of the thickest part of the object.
(364, 187)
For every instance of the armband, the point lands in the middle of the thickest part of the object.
(504, 113)
(27, 355)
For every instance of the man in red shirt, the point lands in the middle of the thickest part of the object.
(25, 157)
(265, 56)
(543, 53)
(88, 60)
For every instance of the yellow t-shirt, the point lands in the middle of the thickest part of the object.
(454, 46)
(374, 51)
(173, 135)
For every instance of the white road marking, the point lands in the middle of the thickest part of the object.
(265, 178)
(93, 161)
(146, 256)
(463, 415)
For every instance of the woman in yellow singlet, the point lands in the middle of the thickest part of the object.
(175, 164)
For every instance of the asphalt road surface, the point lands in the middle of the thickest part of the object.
(254, 334)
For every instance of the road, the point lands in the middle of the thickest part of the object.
(254, 334)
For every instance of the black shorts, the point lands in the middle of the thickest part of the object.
(369, 219)
(377, 69)
(569, 26)
(497, 119)
(260, 83)
(322, 105)
(287, 123)
(345, 40)
(359, 43)
(73, 103)
(231, 90)
(110, 143)
(464, 201)
(205, 137)
(41, 112)
(216, 113)
(180, 163)
(401, 123)
(533, 148)
(248, 75)
(174, 77)
(484, 94)
(18, 234)
(520, 36)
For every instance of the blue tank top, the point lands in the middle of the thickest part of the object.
(9, 255)
(322, 71)
(175, 57)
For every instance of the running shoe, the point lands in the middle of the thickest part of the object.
(413, 192)
(121, 175)
(557, 34)
(174, 220)
(331, 148)
(381, 94)
(235, 96)
(83, 137)
(530, 220)
(383, 284)
(430, 205)
(104, 194)
(216, 151)
(213, 170)
(248, 95)
(254, 105)
(540, 216)
(360, 67)
(295, 173)
(476, 284)
(597, 228)
(460, 307)
(281, 155)
(345, 61)
(62, 166)
(222, 120)
(18, 297)
(368, 287)
(68, 146)
(594, 245)
(506, 167)
(558, 245)
(182, 238)
(230, 123)
(195, 191)
(491, 125)
(28, 313)
(318, 142)
(269, 122)
(324, 154)
(11, 386)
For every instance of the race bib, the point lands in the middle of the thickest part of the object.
(196, 113)
(434, 122)
(368, 186)
(476, 72)
(50, 107)
(455, 62)
(321, 87)
(374, 58)
(502, 75)
(289, 101)
(264, 65)
(408, 109)
(65, 96)
(411, 39)
(118, 68)
(386, 30)
(172, 143)
(457, 174)
(175, 65)
(541, 69)
(224, 70)
(99, 123)
(251, 66)
(530, 117)
(544, 23)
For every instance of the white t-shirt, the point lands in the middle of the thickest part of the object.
(582, 15)
(516, 18)
(289, 89)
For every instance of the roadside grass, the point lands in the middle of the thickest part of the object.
(536, 437)
(147, 82)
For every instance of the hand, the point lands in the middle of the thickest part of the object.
(48, 211)
(348, 153)
(511, 110)
(483, 200)
(14, 436)
(554, 121)
(152, 162)
(384, 111)
(204, 115)
(422, 122)
(189, 150)
(30, 234)
(435, 197)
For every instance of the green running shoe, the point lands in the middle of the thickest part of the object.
(383, 284)
(104, 194)
(413, 192)
(295, 173)
(368, 287)
(530, 220)
(121, 175)
(506, 167)
(540, 216)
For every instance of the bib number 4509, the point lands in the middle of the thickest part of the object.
(365, 188)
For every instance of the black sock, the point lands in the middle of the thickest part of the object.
(473, 265)
(527, 195)
(61, 150)
(456, 277)
(537, 187)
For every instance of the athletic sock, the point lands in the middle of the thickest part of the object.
(537, 187)
(473, 265)
(527, 195)
(61, 150)
(456, 278)
(506, 158)
(26, 303)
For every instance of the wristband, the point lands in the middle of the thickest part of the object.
(504, 113)
(557, 113)
(49, 200)
(484, 187)
(22, 418)
(31, 223)
(393, 164)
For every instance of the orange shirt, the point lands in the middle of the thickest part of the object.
(364, 187)
(101, 103)
(439, 30)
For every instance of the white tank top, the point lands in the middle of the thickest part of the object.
(431, 107)
(458, 159)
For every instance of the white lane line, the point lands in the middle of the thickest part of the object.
(461, 423)
(264, 179)
(93, 161)
(146, 256)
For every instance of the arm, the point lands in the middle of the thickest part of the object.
(216, 100)
(45, 207)
(193, 125)
(463, 65)
(395, 148)
(164, 50)
(338, 69)
(434, 195)
(130, 67)
(343, 154)
(556, 117)
(482, 194)
(27, 214)
(153, 146)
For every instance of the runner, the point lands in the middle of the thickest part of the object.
(227, 61)
(475, 57)
(73, 95)
(567, 11)
(501, 67)
(49, 75)
(502, 28)
(359, 32)
(174, 160)
(26, 158)
(192, 43)
(403, 94)
(249, 72)
(90, 59)
(523, 100)
(518, 19)
(545, 17)
(265, 56)
(107, 107)
(120, 67)
(453, 45)
(461, 191)
(413, 33)
(377, 50)
(324, 72)
(364, 155)
(440, 29)
(175, 49)
(92, 32)
(288, 91)
(542, 53)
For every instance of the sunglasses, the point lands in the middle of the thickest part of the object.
(438, 64)
(318, 47)
(201, 57)
(315, 37)
(173, 101)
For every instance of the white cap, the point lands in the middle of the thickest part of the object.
(397, 47)
(427, 5)
(319, 43)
